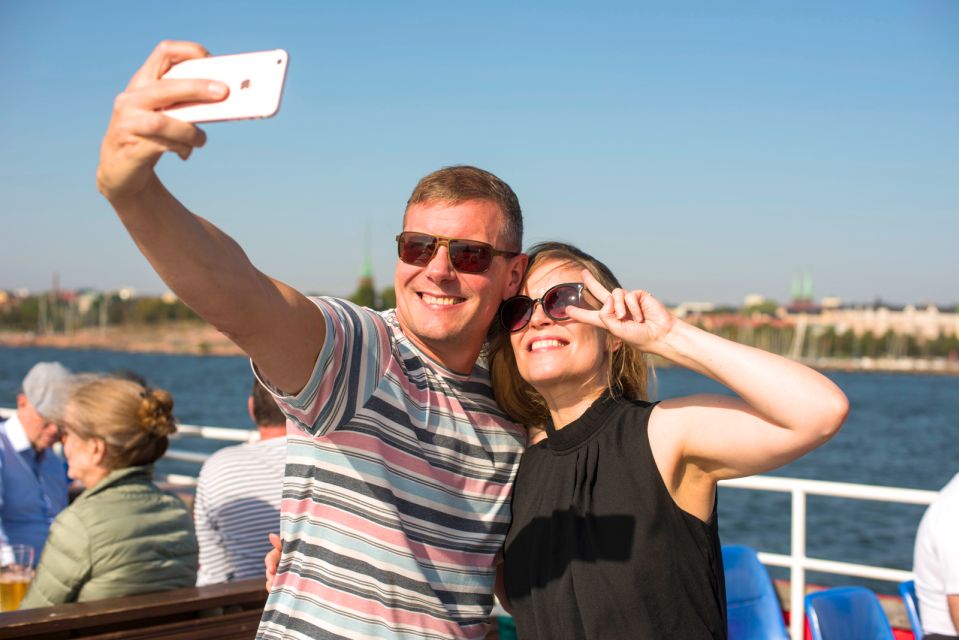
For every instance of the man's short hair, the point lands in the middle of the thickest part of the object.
(462, 183)
(265, 411)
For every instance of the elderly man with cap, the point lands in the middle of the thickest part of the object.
(33, 480)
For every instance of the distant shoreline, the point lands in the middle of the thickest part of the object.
(185, 338)
(198, 338)
(919, 366)
(912, 366)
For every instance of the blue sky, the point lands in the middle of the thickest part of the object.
(704, 150)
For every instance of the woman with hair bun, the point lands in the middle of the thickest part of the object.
(122, 535)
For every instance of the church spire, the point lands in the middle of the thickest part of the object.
(365, 294)
(366, 271)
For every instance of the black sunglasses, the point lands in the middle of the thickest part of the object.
(515, 313)
(466, 256)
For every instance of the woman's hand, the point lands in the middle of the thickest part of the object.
(635, 317)
(272, 560)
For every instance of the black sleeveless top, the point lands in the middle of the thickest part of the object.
(598, 549)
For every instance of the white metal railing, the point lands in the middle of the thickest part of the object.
(209, 433)
(217, 433)
(797, 562)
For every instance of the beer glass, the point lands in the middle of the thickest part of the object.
(16, 571)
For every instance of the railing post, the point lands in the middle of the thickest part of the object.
(797, 572)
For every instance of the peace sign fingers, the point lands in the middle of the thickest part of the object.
(595, 288)
(594, 295)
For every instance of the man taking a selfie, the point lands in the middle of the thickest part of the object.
(396, 495)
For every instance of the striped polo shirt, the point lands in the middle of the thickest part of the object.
(237, 506)
(397, 491)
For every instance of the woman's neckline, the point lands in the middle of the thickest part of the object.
(581, 429)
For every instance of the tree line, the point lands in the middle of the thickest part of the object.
(48, 314)
(61, 314)
(819, 341)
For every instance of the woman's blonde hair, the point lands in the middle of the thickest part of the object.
(627, 370)
(133, 421)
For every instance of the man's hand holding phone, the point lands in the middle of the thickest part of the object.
(139, 132)
(179, 85)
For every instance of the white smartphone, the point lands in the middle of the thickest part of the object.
(255, 80)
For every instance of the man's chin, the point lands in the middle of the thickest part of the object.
(441, 335)
(449, 328)
(444, 336)
(429, 325)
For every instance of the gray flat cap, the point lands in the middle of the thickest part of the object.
(47, 387)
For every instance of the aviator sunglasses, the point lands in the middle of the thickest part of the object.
(466, 256)
(515, 312)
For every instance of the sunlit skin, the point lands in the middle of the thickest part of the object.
(84, 458)
(695, 440)
(699, 440)
(40, 431)
(565, 361)
(444, 312)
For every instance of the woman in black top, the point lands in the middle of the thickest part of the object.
(614, 531)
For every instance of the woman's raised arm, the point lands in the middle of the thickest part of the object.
(783, 409)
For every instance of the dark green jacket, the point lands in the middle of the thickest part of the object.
(123, 536)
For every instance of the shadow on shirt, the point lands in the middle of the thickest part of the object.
(543, 550)
(244, 514)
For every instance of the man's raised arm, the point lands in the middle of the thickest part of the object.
(275, 324)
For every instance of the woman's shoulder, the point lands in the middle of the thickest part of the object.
(627, 425)
(133, 494)
(72, 519)
(129, 512)
(629, 412)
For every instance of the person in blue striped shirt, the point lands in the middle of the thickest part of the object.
(238, 496)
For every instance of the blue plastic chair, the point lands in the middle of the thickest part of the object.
(847, 613)
(752, 606)
(907, 590)
(506, 627)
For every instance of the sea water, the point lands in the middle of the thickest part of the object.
(902, 431)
